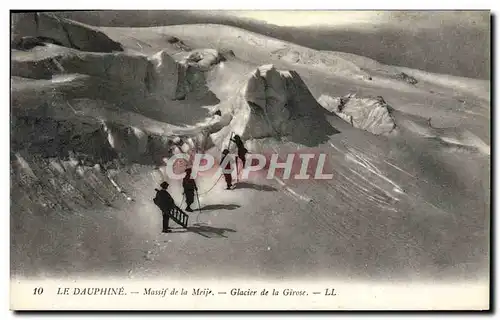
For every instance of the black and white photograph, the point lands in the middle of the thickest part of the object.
(214, 154)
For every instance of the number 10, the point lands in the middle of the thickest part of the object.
(38, 291)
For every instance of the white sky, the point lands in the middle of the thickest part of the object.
(361, 19)
(306, 18)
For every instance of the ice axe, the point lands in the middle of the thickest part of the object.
(198, 198)
(229, 143)
(182, 201)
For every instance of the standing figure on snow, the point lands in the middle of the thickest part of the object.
(190, 187)
(227, 175)
(242, 151)
(166, 204)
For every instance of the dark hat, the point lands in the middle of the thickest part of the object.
(237, 137)
(188, 170)
(164, 185)
(225, 151)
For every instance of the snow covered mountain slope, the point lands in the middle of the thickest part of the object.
(91, 131)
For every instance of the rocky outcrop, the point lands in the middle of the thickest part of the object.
(90, 142)
(191, 73)
(158, 74)
(121, 69)
(371, 114)
(59, 30)
(71, 83)
(204, 59)
(178, 43)
(53, 45)
(30, 42)
(162, 74)
(276, 103)
(406, 78)
(327, 60)
(53, 138)
(266, 90)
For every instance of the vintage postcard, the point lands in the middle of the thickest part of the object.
(250, 160)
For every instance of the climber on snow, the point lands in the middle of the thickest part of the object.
(166, 203)
(227, 175)
(190, 187)
(242, 151)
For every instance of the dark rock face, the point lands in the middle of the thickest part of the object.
(371, 114)
(31, 29)
(30, 42)
(281, 105)
(406, 78)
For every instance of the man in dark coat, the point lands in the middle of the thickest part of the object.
(166, 203)
(227, 176)
(242, 151)
(189, 186)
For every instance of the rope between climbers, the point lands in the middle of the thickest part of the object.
(211, 187)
